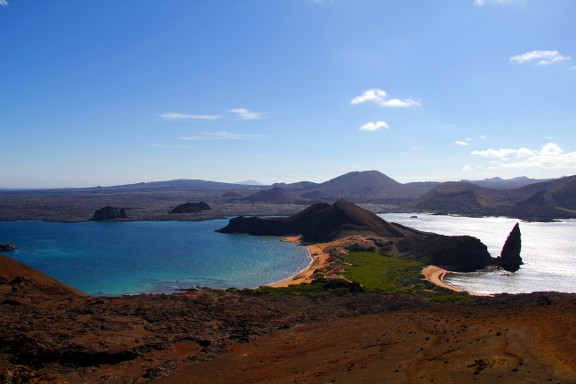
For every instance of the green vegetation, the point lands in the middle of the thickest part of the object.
(382, 273)
(373, 272)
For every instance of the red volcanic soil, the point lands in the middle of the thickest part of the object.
(51, 334)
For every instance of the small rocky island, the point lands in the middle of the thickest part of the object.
(7, 247)
(191, 208)
(323, 222)
(109, 213)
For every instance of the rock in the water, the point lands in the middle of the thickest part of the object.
(7, 247)
(109, 213)
(191, 208)
(510, 258)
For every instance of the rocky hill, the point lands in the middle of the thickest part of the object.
(555, 199)
(363, 186)
(323, 222)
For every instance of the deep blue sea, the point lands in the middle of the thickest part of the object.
(548, 251)
(116, 258)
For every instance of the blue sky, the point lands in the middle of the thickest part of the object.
(112, 92)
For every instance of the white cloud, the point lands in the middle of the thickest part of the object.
(184, 116)
(467, 168)
(550, 156)
(4, 3)
(463, 143)
(379, 97)
(540, 57)
(503, 153)
(245, 114)
(481, 3)
(218, 135)
(374, 126)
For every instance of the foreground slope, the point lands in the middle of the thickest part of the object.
(244, 337)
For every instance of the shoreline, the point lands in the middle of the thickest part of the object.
(436, 276)
(319, 259)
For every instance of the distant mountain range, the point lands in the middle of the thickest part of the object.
(520, 197)
(553, 199)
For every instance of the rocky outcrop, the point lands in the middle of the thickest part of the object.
(323, 222)
(191, 208)
(454, 253)
(320, 223)
(7, 247)
(510, 258)
(109, 213)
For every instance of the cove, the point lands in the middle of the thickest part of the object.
(117, 258)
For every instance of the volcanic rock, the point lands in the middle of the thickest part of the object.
(323, 222)
(191, 208)
(7, 247)
(109, 213)
(510, 258)
(320, 222)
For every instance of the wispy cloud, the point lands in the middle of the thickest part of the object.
(4, 3)
(503, 153)
(463, 143)
(245, 114)
(481, 3)
(218, 135)
(184, 116)
(374, 126)
(540, 57)
(379, 97)
(550, 156)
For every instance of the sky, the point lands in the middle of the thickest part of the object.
(108, 92)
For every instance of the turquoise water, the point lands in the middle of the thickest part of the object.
(151, 256)
(548, 251)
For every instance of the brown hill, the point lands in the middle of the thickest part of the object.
(324, 222)
(543, 201)
(14, 274)
(459, 197)
(364, 186)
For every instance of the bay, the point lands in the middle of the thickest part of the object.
(116, 258)
(548, 251)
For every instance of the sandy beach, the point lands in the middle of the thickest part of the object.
(319, 260)
(435, 275)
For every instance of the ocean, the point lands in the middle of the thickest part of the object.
(548, 251)
(117, 258)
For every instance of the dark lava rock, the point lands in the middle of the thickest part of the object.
(323, 222)
(109, 213)
(191, 208)
(510, 258)
(7, 247)
(455, 253)
(320, 222)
